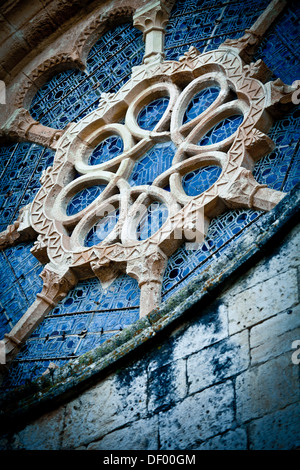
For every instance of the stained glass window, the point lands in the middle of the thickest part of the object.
(90, 314)
(102, 228)
(206, 24)
(151, 114)
(72, 94)
(200, 102)
(152, 164)
(209, 25)
(83, 199)
(106, 150)
(153, 219)
(198, 181)
(222, 130)
(87, 316)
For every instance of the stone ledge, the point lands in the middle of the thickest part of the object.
(46, 393)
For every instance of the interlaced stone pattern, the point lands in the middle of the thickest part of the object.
(146, 171)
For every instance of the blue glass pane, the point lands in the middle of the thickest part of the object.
(279, 48)
(101, 229)
(280, 169)
(185, 264)
(222, 130)
(72, 94)
(106, 150)
(83, 199)
(206, 24)
(152, 113)
(200, 103)
(152, 220)
(20, 282)
(154, 163)
(21, 167)
(198, 181)
(83, 320)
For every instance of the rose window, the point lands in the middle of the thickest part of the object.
(163, 164)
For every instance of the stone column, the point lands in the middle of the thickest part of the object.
(148, 270)
(151, 20)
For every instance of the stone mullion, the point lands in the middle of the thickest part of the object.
(148, 270)
(152, 20)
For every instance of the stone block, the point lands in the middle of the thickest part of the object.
(262, 301)
(266, 388)
(141, 435)
(218, 362)
(230, 440)
(105, 407)
(211, 327)
(284, 256)
(197, 418)
(277, 431)
(275, 336)
(166, 385)
(6, 29)
(42, 434)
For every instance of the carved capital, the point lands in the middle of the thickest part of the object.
(149, 268)
(105, 270)
(241, 192)
(280, 97)
(56, 284)
(246, 192)
(152, 20)
(20, 231)
(21, 126)
(149, 271)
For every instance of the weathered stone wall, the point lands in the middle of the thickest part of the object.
(226, 379)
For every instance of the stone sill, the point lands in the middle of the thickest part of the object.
(47, 392)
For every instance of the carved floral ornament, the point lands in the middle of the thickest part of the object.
(121, 206)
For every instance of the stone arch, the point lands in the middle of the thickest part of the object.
(45, 71)
(76, 58)
(99, 26)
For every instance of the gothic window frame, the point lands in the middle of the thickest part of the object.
(230, 68)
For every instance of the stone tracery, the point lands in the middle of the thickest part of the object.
(235, 155)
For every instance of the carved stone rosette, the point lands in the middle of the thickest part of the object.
(61, 237)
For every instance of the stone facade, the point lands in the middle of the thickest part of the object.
(215, 367)
(225, 379)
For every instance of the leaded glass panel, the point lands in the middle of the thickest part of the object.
(198, 181)
(152, 164)
(222, 130)
(72, 94)
(200, 102)
(151, 114)
(83, 199)
(106, 150)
